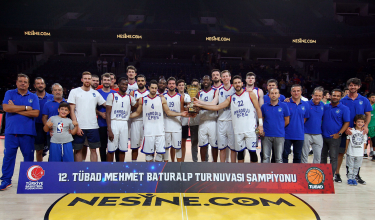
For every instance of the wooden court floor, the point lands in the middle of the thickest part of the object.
(349, 202)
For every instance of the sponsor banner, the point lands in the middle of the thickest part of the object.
(142, 177)
(180, 206)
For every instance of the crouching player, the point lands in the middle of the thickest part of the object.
(118, 108)
(62, 128)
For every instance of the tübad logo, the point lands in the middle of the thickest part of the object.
(315, 178)
(34, 173)
(180, 206)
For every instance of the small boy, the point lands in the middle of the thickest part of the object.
(354, 149)
(61, 148)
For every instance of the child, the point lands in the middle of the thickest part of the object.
(354, 149)
(61, 148)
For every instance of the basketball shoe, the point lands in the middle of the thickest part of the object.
(5, 185)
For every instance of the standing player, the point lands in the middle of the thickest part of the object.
(272, 84)
(113, 81)
(216, 79)
(152, 106)
(250, 86)
(21, 107)
(244, 109)
(184, 121)
(83, 101)
(225, 134)
(131, 72)
(161, 86)
(118, 110)
(101, 112)
(136, 127)
(207, 124)
(173, 125)
(41, 137)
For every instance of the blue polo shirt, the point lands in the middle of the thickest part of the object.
(358, 106)
(334, 118)
(274, 122)
(51, 108)
(267, 99)
(313, 125)
(101, 121)
(42, 101)
(16, 123)
(298, 113)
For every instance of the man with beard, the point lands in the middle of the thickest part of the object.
(244, 109)
(335, 121)
(21, 107)
(41, 137)
(83, 102)
(136, 127)
(250, 86)
(207, 124)
(118, 108)
(161, 86)
(272, 84)
(358, 105)
(173, 127)
(94, 81)
(313, 128)
(225, 135)
(152, 107)
(216, 79)
(101, 112)
(113, 86)
(131, 72)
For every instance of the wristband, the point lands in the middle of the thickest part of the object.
(25, 107)
(260, 121)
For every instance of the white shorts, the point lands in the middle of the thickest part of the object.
(120, 133)
(136, 134)
(173, 139)
(152, 144)
(225, 135)
(207, 134)
(245, 140)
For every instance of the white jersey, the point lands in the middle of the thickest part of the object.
(131, 87)
(256, 91)
(221, 86)
(153, 119)
(224, 114)
(173, 124)
(138, 95)
(207, 97)
(185, 120)
(243, 113)
(86, 102)
(121, 106)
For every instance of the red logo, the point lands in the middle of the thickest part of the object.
(35, 173)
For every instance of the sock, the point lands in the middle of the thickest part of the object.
(134, 160)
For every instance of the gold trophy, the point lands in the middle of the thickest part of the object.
(192, 91)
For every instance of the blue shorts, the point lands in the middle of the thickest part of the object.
(41, 137)
(61, 152)
(93, 138)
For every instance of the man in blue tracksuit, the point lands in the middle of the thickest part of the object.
(21, 107)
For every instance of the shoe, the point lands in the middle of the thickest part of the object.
(354, 183)
(338, 178)
(365, 155)
(350, 182)
(311, 152)
(5, 185)
(360, 180)
(373, 158)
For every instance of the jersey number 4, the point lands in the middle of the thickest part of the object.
(206, 99)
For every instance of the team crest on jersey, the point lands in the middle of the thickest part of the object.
(221, 93)
(60, 127)
(94, 94)
(280, 109)
(31, 100)
(145, 102)
(201, 94)
(135, 95)
(321, 107)
(303, 108)
(337, 111)
(234, 99)
(360, 102)
(116, 98)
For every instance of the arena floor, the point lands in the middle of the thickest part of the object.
(349, 202)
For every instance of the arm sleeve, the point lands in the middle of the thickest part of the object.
(109, 99)
(99, 98)
(7, 97)
(286, 110)
(72, 97)
(282, 98)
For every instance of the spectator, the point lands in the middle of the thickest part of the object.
(105, 65)
(99, 65)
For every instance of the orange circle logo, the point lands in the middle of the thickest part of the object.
(315, 176)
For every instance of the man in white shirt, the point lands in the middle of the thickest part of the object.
(131, 72)
(83, 101)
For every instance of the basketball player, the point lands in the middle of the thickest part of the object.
(173, 125)
(161, 86)
(272, 84)
(207, 125)
(131, 72)
(152, 106)
(216, 79)
(184, 121)
(118, 110)
(136, 127)
(94, 81)
(225, 135)
(244, 109)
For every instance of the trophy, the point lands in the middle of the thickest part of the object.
(192, 91)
